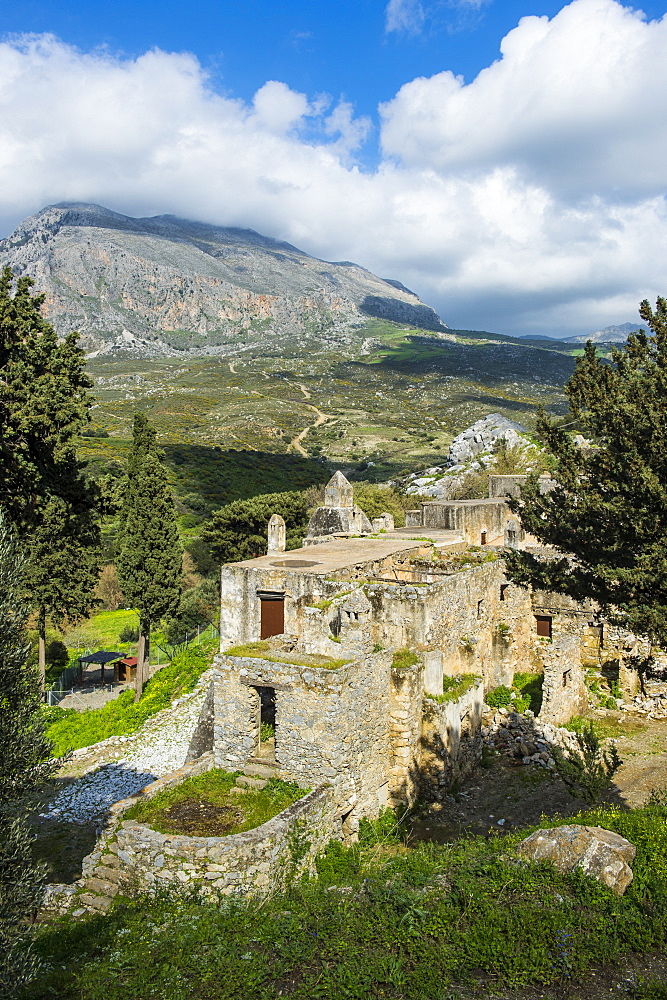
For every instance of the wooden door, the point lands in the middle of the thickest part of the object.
(272, 615)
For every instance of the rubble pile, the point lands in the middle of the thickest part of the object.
(523, 737)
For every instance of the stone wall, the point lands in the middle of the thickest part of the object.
(331, 725)
(130, 855)
(479, 521)
(451, 741)
(405, 731)
(258, 860)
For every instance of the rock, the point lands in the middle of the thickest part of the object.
(599, 853)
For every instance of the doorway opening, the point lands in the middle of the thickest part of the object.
(267, 722)
(271, 613)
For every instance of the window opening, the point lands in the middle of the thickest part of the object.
(480, 608)
(503, 591)
(566, 678)
(483, 538)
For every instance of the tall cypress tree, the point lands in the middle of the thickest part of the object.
(44, 402)
(149, 561)
(25, 762)
(608, 515)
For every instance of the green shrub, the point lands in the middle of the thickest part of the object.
(129, 634)
(589, 768)
(499, 697)
(454, 688)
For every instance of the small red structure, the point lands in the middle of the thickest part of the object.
(125, 669)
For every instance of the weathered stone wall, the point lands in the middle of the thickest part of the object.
(130, 855)
(405, 722)
(451, 741)
(331, 725)
(258, 860)
(510, 486)
(471, 518)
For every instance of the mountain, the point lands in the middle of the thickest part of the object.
(165, 285)
(610, 334)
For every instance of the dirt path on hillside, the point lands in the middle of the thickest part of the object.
(322, 418)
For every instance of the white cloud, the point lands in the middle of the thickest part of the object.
(531, 199)
(404, 15)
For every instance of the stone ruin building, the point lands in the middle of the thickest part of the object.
(309, 640)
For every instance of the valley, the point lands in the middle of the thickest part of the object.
(377, 415)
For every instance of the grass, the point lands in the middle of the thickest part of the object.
(70, 730)
(102, 630)
(262, 650)
(454, 688)
(238, 813)
(605, 729)
(403, 659)
(380, 921)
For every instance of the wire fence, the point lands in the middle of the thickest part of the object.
(170, 649)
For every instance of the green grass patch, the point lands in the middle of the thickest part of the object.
(102, 631)
(404, 658)
(605, 729)
(262, 650)
(454, 688)
(380, 921)
(183, 809)
(69, 729)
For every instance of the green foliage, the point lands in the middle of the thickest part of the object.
(239, 530)
(588, 769)
(73, 729)
(128, 633)
(256, 806)
(528, 687)
(375, 500)
(267, 731)
(610, 509)
(197, 608)
(525, 692)
(149, 561)
(24, 765)
(454, 688)
(44, 402)
(499, 697)
(404, 658)
(379, 921)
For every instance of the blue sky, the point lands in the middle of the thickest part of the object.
(512, 171)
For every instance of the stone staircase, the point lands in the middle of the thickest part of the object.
(256, 773)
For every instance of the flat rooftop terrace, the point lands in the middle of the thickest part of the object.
(339, 553)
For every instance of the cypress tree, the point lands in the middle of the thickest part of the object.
(25, 763)
(149, 561)
(44, 402)
(608, 515)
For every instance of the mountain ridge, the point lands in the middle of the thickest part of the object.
(163, 285)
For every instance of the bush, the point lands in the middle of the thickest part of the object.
(588, 770)
(129, 634)
(499, 697)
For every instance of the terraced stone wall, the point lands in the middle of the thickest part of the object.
(259, 860)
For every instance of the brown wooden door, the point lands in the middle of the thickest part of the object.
(272, 616)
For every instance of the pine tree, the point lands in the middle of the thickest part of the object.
(149, 561)
(44, 402)
(25, 762)
(608, 515)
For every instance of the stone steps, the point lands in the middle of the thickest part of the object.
(260, 769)
(251, 782)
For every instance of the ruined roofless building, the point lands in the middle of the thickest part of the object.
(308, 639)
